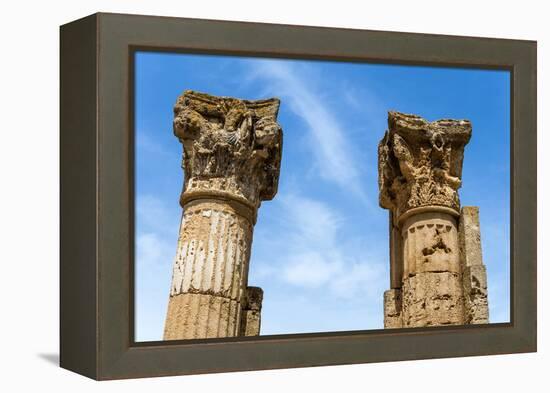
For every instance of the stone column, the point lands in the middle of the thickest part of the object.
(420, 170)
(231, 162)
(431, 286)
(474, 274)
(251, 317)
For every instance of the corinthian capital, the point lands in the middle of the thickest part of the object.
(420, 163)
(231, 147)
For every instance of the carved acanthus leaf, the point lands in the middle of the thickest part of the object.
(420, 163)
(231, 146)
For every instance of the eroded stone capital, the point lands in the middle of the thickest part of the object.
(420, 162)
(231, 147)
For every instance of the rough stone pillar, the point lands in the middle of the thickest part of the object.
(231, 160)
(474, 273)
(251, 317)
(420, 170)
(431, 286)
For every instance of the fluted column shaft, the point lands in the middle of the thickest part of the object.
(210, 271)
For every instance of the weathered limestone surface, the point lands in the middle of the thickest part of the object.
(475, 291)
(392, 308)
(470, 236)
(231, 160)
(474, 271)
(430, 244)
(396, 253)
(251, 317)
(420, 163)
(231, 147)
(432, 287)
(432, 275)
(209, 271)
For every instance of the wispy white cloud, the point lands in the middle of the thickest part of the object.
(155, 242)
(499, 295)
(337, 272)
(153, 215)
(496, 257)
(310, 269)
(154, 256)
(316, 253)
(335, 157)
(145, 143)
(308, 220)
(157, 231)
(152, 250)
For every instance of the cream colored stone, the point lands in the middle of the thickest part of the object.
(251, 314)
(231, 159)
(432, 299)
(212, 250)
(436, 272)
(474, 272)
(231, 147)
(430, 244)
(195, 315)
(470, 236)
(432, 289)
(396, 254)
(420, 163)
(392, 309)
(475, 292)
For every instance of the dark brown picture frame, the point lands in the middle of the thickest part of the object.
(97, 237)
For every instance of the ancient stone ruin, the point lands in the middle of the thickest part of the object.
(437, 276)
(231, 161)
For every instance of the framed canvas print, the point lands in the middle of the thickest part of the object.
(242, 196)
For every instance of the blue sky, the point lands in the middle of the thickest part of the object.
(320, 248)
